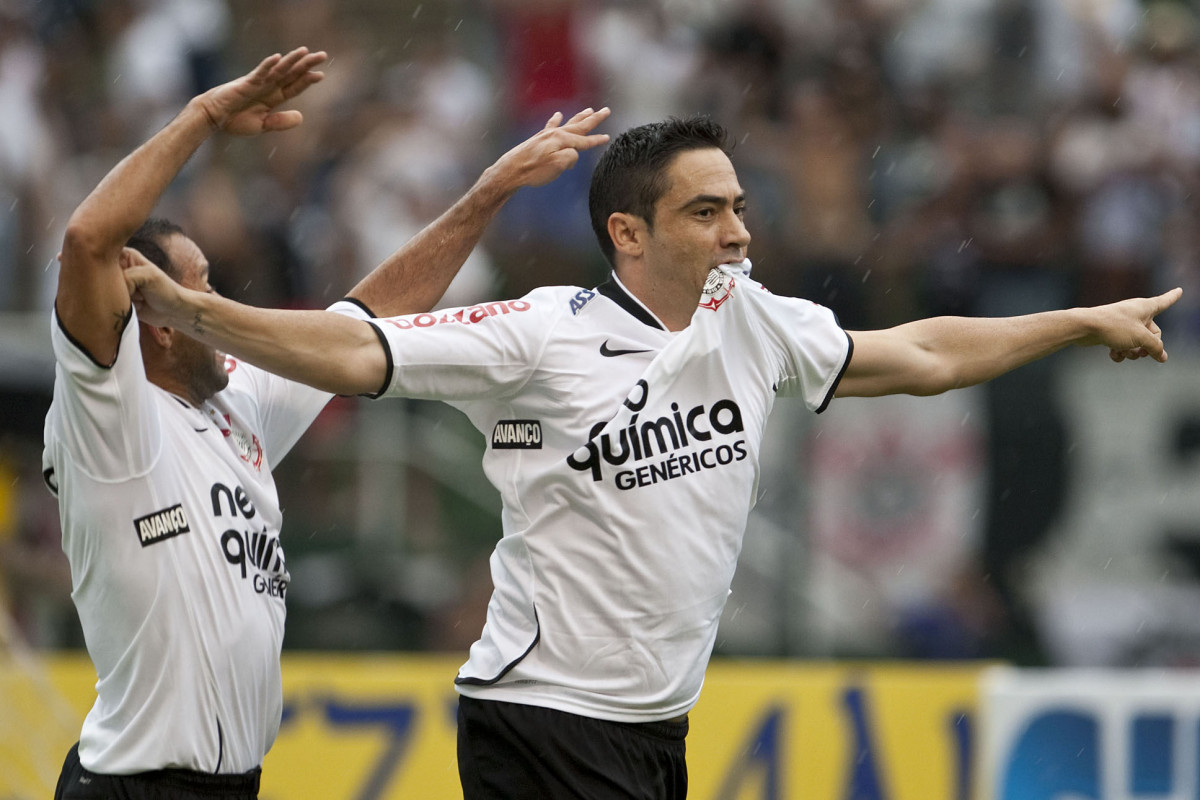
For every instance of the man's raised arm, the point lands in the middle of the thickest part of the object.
(416, 276)
(92, 300)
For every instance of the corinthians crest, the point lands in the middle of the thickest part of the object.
(248, 447)
(717, 287)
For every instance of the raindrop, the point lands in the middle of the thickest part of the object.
(417, 10)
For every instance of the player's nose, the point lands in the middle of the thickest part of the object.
(735, 235)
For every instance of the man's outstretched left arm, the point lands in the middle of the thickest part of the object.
(415, 277)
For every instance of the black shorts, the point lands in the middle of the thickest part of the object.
(512, 751)
(76, 783)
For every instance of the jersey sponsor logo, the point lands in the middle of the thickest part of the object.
(161, 525)
(717, 288)
(609, 352)
(250, 547)
(672, 446)
(581, 299)
(462, 316)
(517, 434)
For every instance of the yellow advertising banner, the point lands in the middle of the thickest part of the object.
(376, 727)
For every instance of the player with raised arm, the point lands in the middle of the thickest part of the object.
(160, 452)
(624, 425)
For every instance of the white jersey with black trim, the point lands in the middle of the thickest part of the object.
(627, 460)
(170, 520)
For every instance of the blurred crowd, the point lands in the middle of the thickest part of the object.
(902, 158)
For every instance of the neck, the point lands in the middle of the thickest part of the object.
(179, 389)
(671, 298)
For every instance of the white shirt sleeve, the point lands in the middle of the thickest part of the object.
(813, 348)
(488, 350)
(105, 418)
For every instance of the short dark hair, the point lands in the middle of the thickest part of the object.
(631, 175)
(151, 241)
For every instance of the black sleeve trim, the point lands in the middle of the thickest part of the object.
(48, 478)
(465, 681)
(78, 345)
(841, 372)
(362, 305)
(387, 354)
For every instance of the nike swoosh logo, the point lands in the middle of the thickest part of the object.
(608, 352)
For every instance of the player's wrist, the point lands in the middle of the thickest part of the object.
(1086, 325)
(495, 186)
(205, 110)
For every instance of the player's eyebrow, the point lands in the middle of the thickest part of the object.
(713, 199)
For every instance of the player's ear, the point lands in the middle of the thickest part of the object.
(163, 337)
(628, 233)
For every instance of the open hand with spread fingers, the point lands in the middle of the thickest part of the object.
(246, 106)
(550, 152)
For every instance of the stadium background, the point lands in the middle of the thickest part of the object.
(902, 158)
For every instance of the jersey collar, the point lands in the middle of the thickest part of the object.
(614, 290)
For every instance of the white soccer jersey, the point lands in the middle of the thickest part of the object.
(627, 459)
(171, 522)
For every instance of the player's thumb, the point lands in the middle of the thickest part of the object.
(282, 120)
(136, 276)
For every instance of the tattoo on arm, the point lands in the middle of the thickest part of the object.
(198, 323)
(122, 319)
